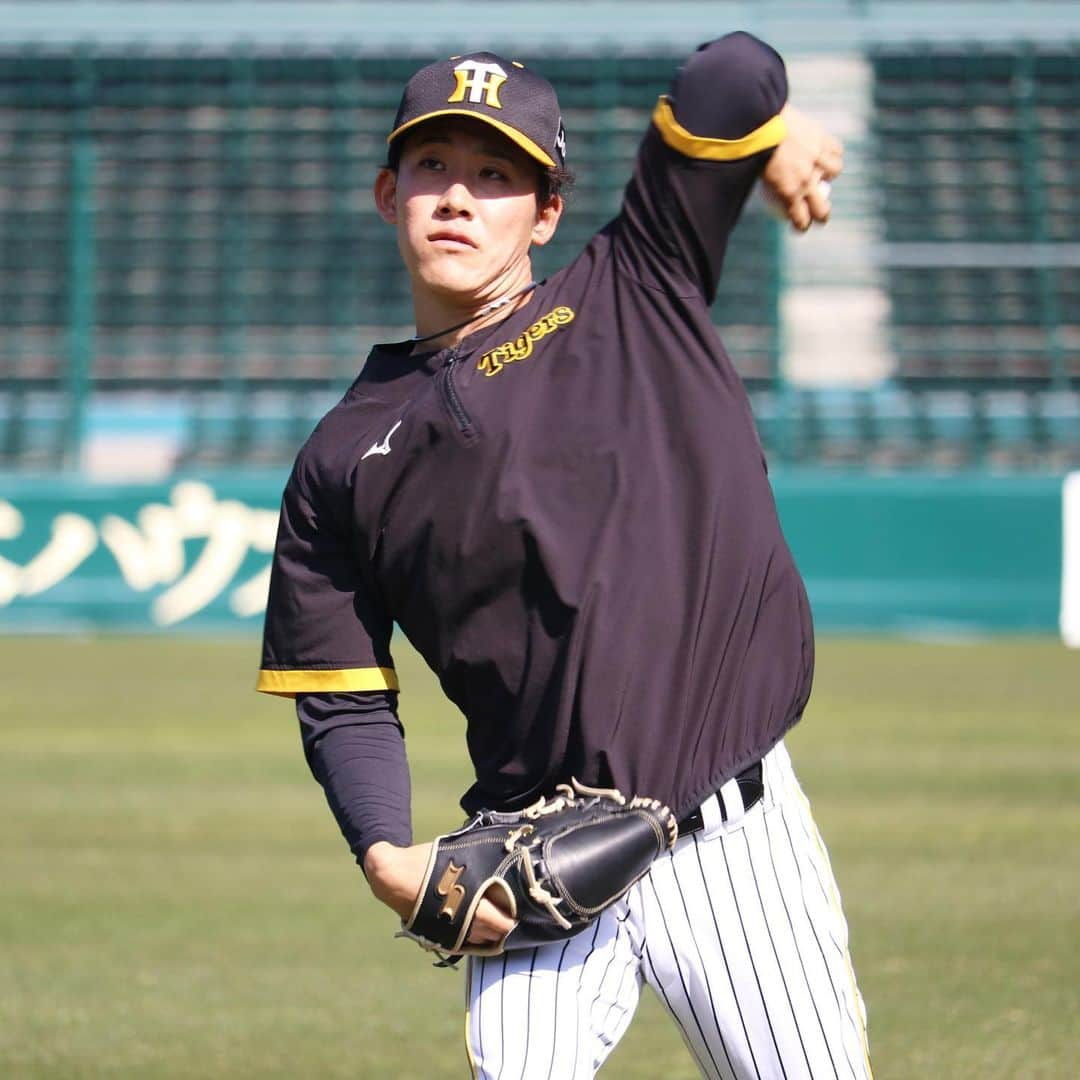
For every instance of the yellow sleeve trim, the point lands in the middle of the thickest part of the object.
(341, 680)
(770, 134)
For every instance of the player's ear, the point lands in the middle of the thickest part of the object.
(547, 220)
(386, 195)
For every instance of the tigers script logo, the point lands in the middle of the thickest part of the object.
(494, 360)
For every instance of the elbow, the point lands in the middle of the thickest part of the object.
(730, 87)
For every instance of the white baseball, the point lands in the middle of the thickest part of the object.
(779, 209)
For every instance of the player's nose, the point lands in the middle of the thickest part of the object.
(456, 201)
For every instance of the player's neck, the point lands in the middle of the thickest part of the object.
(441, 324)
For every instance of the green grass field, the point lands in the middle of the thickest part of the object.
(175, 900)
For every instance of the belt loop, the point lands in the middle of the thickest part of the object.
(712, 815)
(730, 796)
(775, 768)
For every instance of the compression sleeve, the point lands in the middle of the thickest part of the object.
(709, 140)
(355, 748)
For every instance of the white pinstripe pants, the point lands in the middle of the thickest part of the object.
(738, 930)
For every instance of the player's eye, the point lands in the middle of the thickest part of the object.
(489, 172)
(429, 163)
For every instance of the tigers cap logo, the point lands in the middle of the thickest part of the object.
(513, 99)
(481, 81)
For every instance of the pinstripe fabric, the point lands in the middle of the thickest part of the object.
(578, 998)
(740, 933)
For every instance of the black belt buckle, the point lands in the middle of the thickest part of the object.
(751, 787)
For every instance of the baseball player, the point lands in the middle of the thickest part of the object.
(556, 491)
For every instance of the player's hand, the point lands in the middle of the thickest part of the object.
(793, 179)
(395, 875)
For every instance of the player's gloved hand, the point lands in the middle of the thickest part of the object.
(555, 864)
(396, 874)
(796, 179)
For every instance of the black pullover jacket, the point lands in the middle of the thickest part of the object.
(568, 513)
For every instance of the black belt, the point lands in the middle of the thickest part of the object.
(751, 787)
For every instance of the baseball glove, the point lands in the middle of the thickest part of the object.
(557, 863)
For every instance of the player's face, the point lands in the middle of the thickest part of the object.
(464, 201)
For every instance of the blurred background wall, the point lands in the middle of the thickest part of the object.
(192, 271)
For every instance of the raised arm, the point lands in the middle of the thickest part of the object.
(724, 124)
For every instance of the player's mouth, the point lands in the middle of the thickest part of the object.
(451, 241)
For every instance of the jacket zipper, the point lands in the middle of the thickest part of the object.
(453, 400)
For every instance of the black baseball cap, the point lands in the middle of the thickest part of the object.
(502, 93)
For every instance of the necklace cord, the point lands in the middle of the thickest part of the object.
(486, 310)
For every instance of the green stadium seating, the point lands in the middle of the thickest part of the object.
(200, 226)
(975, 156)
(233, 229)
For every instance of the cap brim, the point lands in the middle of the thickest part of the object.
(515, 136)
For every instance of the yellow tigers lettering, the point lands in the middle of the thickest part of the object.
(494, 360)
